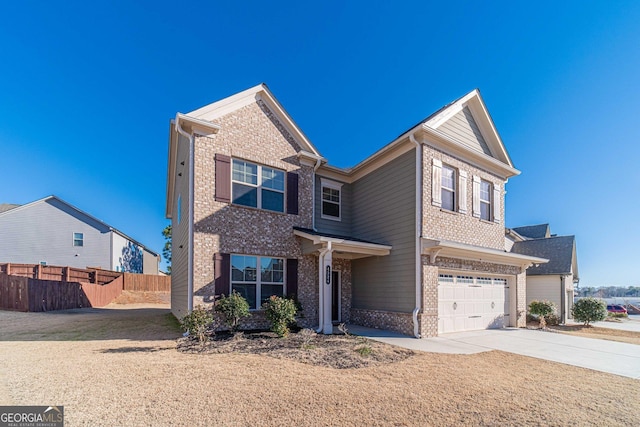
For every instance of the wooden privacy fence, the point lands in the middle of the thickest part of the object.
(27, 294)
(61, 274)
(146, 282)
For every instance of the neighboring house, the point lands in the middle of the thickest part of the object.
(51, 231)
(554, 281)
(411, 239)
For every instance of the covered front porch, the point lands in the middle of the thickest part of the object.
(328, 247)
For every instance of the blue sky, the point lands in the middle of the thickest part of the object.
(87, 90)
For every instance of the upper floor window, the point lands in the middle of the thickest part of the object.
(448, 188)
(331, 199)
(485, 200)
(78, 239)
(257, 186)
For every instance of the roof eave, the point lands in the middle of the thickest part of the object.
(446, 248)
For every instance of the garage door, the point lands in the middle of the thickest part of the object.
(467, 303)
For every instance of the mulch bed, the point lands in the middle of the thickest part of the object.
(305, 346)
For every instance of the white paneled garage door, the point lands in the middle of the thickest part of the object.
(467, 303)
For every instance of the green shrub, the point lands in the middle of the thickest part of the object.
(198, 323)
(589, 310)
(281, 312)
(552, 320)
(233, 307)
(542, 309)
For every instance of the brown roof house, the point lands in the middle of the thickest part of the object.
(411, 239)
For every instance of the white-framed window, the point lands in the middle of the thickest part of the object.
(257, 186)
(331, 193)
(448, 188)
(500, 282)
(484, 280)
(445, 278)
(256, 278)
(485, 200)
(464, 279)
(78, 239)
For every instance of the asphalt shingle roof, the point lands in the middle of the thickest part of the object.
(333, 236)
(558, 250)
(533, 231)
(7, 207)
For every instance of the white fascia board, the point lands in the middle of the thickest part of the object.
(345, 245)
(198, 126)
(228, 104)
(446, 248)
(450, 146)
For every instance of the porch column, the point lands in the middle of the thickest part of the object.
(327, 326)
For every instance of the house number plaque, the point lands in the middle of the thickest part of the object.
(328, 275)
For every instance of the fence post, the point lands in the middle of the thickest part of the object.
(65, 274)
(37, 272)
(8, 269)
(93, 276)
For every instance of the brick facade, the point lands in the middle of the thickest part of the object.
(464, 228)
(254, 134)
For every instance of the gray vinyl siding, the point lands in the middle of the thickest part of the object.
(342, 227)
(384, 212)
(180, 234)
(43, 232)
(462, 127)
(149, 262)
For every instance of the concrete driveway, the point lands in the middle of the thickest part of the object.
(600, 355)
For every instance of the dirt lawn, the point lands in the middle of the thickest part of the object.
(119, 366)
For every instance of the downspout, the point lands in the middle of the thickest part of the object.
(323, 252)
(313, 190)
(563, 299)
(418, 260)
(191, 195)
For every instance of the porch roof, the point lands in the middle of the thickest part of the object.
(343, 246)
(446, 248)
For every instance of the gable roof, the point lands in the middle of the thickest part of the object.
(18, 208)
(488, 150)
(539, 231)
(218, 109)
(7, 206)
(559, 250)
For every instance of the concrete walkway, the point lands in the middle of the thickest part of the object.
(600, 355)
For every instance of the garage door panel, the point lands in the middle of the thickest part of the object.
(471, 306)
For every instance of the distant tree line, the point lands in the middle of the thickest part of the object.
(608, 291)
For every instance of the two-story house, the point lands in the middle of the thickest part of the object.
(50, 231)
(411, 239)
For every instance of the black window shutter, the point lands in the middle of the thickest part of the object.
(223, 178)
(292, 193)
(222, 273)
(292, 278)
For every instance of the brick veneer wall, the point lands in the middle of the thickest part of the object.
(464, 228)
(252, 133)
(389, 320)
(430, 272)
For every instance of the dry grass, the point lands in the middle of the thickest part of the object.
(121, 367)
(599, 332)
(333, 351)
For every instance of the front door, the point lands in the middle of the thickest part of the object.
(335, 296)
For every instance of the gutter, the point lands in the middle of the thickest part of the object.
(418, 249)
